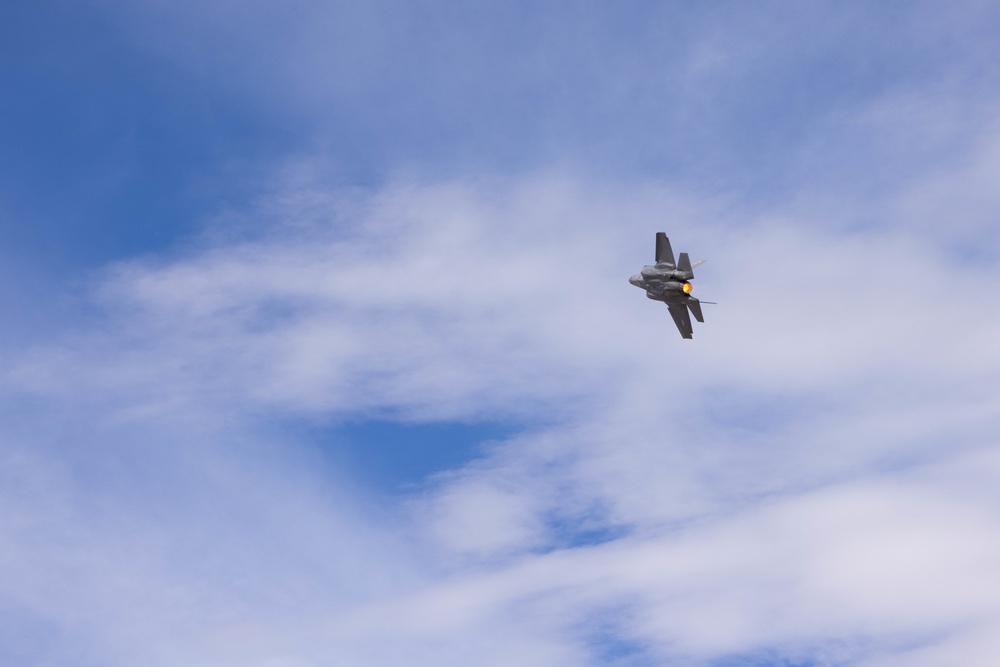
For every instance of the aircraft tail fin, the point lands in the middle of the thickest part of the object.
(664, 253)
(684, 264)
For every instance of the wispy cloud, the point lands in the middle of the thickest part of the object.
(812, 479)
(813, 471)
(732, 93)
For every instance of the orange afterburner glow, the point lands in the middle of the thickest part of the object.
(687, 288)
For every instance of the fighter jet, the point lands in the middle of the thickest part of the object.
(667, 281)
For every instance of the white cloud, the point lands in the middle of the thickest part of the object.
(813, 475)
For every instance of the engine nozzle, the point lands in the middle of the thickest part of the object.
(676, 286)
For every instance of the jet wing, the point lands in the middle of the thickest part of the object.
(682, 319)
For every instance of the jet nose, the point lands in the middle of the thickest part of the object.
(637, 280)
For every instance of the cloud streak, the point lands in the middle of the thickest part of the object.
(811, 480)
(805, 479)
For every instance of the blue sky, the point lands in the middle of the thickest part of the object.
(317, 344)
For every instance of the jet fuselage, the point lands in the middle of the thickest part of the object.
(662, 283)
(668, 281)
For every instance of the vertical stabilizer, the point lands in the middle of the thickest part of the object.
(684, 264)
(664, 253)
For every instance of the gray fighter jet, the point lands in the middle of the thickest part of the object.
(667, 281)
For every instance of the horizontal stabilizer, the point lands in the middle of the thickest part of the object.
(695, 307)
(664, 253)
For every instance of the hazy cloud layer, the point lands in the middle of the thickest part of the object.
(768, 96)
(812, 480)
(813, 477)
